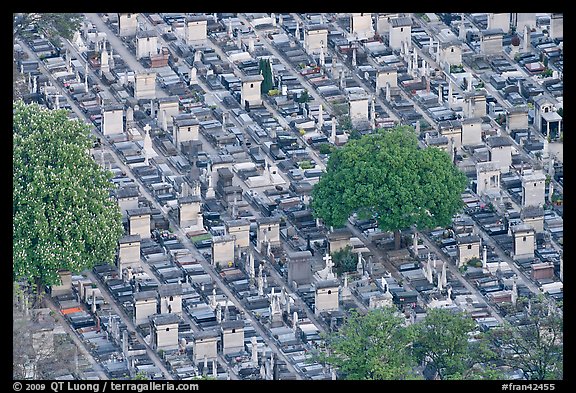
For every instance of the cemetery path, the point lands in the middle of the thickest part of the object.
(121, 49)
(486, 239)
(456, 273)
(278, 278)
(230, 295)
(53, 81)
(74, 336)
(115, 42)
(382, 258)
(130, 325)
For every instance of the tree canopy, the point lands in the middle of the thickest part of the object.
(386, 175)
(51, 24)
(536, 345)
(442, 341)
(63, 215)
(371, 347)
(266, 71)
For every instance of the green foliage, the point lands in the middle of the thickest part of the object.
(500, 119)
(307, 164)
(304, 97)
(63, 215)
(476, 262)
(374, 346)
(51, 24)
(140, 376)
(387, 176)
(266, 70)
(344, 260)
(560, 112)
(546, 73)
(326, 148)
(345, 122)
(442, 340)
(536, 344)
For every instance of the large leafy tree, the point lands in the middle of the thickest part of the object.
(63, 215)
(373, 346)
(51, 24)
(443, 341)
(535, 344)
(387, 176)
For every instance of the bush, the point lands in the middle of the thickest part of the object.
(326, 148)
(306, 164)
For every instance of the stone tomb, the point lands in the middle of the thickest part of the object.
(145, 305)
(299, 268)
(232, 335)
(205, 345)
(139, 222)
(468, 248)
(326, 296)
(128, 252)
(164, 331)
(240, 229)
(223, 250)
(267, 231)
(524, 241)
(170, 298)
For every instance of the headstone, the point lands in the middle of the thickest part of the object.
(360, 265)
(440, 89)
(193, 76)
(254, 351)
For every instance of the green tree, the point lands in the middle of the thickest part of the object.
(441, 340)
(326, 148)
(385, 175)
(304, 97)
(535, 344)
(63, 214)
(266, 70)
(344, 260)
(51, 24)
(373, 346)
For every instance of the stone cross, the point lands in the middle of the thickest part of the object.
(328, 259)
